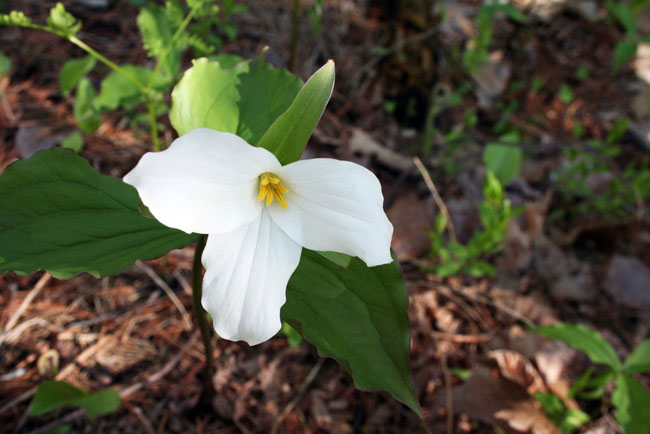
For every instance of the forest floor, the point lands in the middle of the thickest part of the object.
(566, 257)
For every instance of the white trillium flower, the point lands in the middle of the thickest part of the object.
(258, 215)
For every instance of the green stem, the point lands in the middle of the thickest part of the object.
(294, 35)
(115, 67)
(204, 326)
(154, 126)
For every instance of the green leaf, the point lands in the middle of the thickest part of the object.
(58, 214)
(63, 21)
(84, 113)
(157, 31)
(118, 91)
(359, 317)
(100, 403)
(226, 60)
(504, 161)
(288, 135)
(632, 401)
(639, 360)
(340, 259)
(74, 141)
(624, 51)
(624, 15)
(5, 64)
(244, 99)
(572, 420)
(52, 395)
(584, 339)
(61, 429)
(73, 70)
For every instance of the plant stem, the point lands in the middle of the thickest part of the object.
(199, 313)
(115, 67)
(154, 126)
(294, 35)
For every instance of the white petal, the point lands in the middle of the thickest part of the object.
(337, 206)
(246, 275)
(205, 182)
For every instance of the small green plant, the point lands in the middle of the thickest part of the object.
(625, 13)
(52, 395)
(478, 47)
(625, 191)
(167, 32)
(631, 398)
(494, 212)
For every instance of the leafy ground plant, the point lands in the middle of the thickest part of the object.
(630, 397)
(306, 242)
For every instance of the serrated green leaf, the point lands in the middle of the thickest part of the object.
(288, 135)
(73, 70)
(84, 113)
(358, 316)
(157, 31)
(504, 161)
(244, 99)
(584, 339)
(623, 52)
(632, 401)
(639, 360)
(58, 214)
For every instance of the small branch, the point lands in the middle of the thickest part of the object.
(25, 304)
(436, 197)
(449, 397)
(168, 291)
(311, 376)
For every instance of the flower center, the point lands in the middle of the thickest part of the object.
(271, 188)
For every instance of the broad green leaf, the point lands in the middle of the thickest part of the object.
(74, 141)
(584, 339)
(359, 317)
(52, 395)
(573, 419)
(288, 135)
(639, 360)
(118, 91)
(5, 64)
(100, 403)
(84, 113)
(73, 70)
(623, 52)
(244, 99)
(632, 401)
(58, 214)
(226, 60)
(340, 259)
(504, 161)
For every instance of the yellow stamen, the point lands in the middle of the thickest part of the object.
(271, 188)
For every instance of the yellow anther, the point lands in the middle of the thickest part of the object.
(271, 188)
